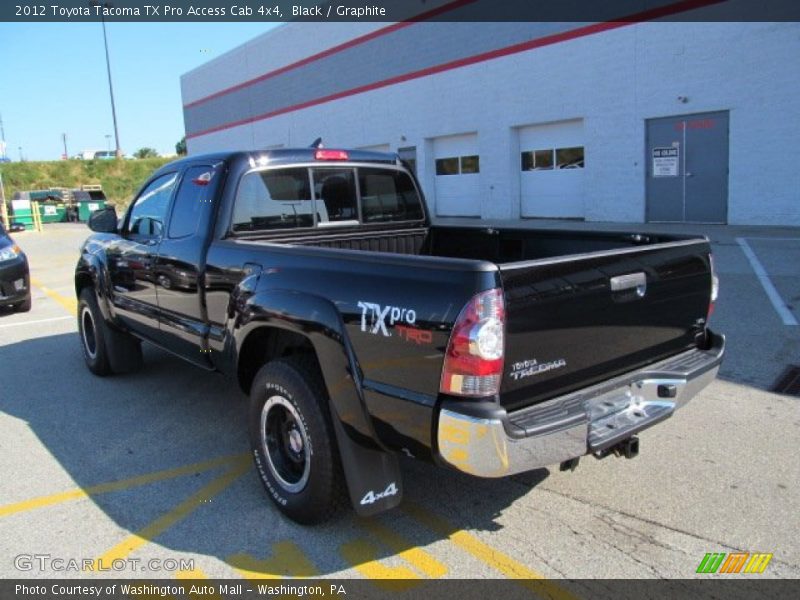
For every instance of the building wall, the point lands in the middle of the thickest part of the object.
(611, 82)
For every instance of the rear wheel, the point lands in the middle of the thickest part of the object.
(293, 442)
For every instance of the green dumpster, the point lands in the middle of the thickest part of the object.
(87, 207)
(21, 212)
(53, 213)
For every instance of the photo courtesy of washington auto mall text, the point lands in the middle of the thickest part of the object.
(441, 299)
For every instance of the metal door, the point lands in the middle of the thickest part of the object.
(686, 158)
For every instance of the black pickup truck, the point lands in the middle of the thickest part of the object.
(361, 331)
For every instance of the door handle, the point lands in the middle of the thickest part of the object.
(637, 281)
(689, 174)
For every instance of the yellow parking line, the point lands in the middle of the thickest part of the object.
(509, 567)
(69, 303)
(286, 560)
(363, 557)
(114, 486)
(413, 555)
(167, 520)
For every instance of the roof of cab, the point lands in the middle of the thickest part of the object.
(281, 156)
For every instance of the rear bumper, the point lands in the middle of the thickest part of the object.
(485, 441)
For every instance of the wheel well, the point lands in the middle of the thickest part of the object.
(82, 280)
(266, 344)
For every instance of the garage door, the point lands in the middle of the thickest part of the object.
(457, 176)
(551, 164)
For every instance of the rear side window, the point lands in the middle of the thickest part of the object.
(274, 199)
(388, 196)
(197, 189)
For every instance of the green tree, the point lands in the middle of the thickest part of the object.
(145, 153)
(180, 147)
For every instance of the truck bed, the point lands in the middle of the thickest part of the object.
(565, 326)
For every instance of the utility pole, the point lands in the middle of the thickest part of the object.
(108, 69)
(2, 139)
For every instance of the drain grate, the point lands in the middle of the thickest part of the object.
(789, 382)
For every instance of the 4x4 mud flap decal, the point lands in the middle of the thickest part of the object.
(373, 476)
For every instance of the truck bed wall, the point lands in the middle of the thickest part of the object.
(498, 246)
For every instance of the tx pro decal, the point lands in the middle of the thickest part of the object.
(375, 317)
(526, 368)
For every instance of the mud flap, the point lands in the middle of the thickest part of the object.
(373, 476)
(124, 351)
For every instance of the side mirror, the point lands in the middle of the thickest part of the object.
(104, 220)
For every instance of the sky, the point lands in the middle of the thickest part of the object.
(53, 80)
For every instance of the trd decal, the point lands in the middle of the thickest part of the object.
(374, 317)
(412, 334)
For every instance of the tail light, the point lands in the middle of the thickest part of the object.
(473, 363)
(714, 287)
(331, 155)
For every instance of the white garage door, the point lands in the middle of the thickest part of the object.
(552, 170)
(457, 168)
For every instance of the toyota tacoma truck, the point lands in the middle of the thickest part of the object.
(363, 332)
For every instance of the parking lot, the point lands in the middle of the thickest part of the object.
(154, 465)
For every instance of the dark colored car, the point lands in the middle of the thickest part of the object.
(15, 285)
(362, 331)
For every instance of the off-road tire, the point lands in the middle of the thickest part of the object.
(289, 394)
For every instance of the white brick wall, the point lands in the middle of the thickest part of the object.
(614, 81)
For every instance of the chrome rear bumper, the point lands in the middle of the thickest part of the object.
(496, 444)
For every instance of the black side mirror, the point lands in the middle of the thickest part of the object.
(104, 220)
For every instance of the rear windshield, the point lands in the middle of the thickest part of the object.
(299, 197)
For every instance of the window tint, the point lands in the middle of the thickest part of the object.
(388, 196)
(274, 199)
(447, 166)
(150, 208)
(196, 190)
(335, 191)
(470, 164)
(569, 158)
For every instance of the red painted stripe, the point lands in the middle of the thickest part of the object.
(477, 58)
(335, 50)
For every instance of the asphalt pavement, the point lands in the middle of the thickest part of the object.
(151, 468)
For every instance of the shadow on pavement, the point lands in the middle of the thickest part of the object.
(171, 414)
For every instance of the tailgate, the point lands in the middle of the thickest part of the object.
(567, 328)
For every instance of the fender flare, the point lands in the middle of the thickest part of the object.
(369, 468)
(95, 267)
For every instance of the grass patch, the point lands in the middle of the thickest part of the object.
(120, 179)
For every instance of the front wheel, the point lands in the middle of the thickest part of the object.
(91, 327)
(106, 349)
(293, 442)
